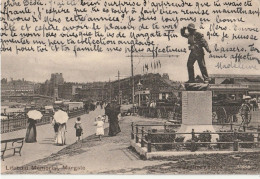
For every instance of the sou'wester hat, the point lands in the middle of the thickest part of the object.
(191, 26)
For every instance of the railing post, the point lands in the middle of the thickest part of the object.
(193, 144)
(235, 144)
(149, 145)
(132, 133)
(8, 125)
(142, 138)
(136, 134)
(192, 134)
(258, 136)
(231, 124)
(3, 126)
(235, 135)
(164, 125)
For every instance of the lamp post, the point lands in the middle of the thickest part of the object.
(139, 86)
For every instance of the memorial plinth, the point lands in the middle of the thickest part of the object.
(196, 113)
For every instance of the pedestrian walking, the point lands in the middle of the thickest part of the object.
(100, 126)
(79, 129)
(31, 133)
(245, 113)
(55, 127)
(112, 110)
(61, 137)
(61, 117)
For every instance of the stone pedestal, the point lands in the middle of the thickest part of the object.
(196, 113)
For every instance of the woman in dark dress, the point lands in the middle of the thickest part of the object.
(31, 131)
(112, 111)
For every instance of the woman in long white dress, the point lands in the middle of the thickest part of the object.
(61, 137)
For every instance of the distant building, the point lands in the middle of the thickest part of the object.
(153, 87)
(22, 91)
(68, 90)
(44, 88)
(51, 87)
(16, 87)
(235, 85)
(96, 91)
(32, 100)
(56, 79)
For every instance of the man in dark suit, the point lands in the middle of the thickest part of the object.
(196, 42)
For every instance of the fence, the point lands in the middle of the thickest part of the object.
(175, 116)
(13, 124)
(145, 138)
(158, 112)
(20, 122)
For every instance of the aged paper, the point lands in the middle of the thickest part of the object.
(96, 86)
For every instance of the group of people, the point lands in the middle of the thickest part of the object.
(60, 129)
(91, 105)
(99, 123)
(112, 111)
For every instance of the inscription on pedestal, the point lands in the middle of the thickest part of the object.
(196, 113)
(197, 107)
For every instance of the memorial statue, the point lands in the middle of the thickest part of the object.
(196, 42)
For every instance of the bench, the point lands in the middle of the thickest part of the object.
(16, 148)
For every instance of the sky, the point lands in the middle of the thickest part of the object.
(99, 68)
(89, 67)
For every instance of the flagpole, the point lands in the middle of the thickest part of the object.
(133, 81)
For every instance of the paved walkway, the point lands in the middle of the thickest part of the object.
(91, 156)
(45, 141)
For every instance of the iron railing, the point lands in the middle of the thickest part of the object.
(140, 135)
(20, 122)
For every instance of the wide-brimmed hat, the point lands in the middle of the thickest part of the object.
(191, 26)
(246, 97)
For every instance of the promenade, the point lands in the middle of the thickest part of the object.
(91, 156)
(45, 141)
(112, 155)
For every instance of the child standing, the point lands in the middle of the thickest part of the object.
(100, 126)
(78, 128)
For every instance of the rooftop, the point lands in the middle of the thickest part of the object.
(233, 76)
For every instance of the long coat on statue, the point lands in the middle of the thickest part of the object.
(112, 111)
